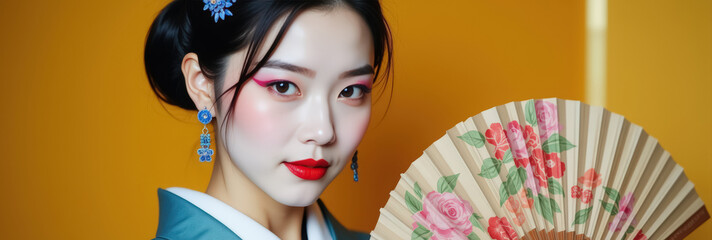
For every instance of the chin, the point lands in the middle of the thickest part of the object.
(296, 199)
(300, 195)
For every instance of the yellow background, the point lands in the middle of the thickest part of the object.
(86, 143)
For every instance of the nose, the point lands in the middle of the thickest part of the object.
(317, 126)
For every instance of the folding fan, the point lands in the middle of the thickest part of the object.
(543, 169)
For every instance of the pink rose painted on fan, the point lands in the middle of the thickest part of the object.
(496, 136)
(547, 117)
(516, 140)
(442, 214)
(500, 229)
(624, 212)
(446, 215)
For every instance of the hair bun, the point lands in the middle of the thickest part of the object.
(167, 43)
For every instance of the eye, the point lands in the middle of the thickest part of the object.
(284, 88)
(354, 91)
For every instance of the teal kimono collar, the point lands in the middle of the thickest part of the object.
(180, 219)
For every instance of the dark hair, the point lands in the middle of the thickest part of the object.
(183, 27)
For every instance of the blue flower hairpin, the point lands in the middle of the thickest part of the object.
(218, 8)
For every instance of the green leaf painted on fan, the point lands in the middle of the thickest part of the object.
(609, 207)
(508, 158)
(554, 205)
(522, 174)
(472, 236)
(417, 190)
(630, 229)
(529, 193)
(582, 215)
(477, 216)
(473, 138)
(555, 187)
(503, 194)
(490, 168)
(473, 220)
(514, 181)
(556, 143)
(530, 112)
(613, 195)
(447, 183)
(413, 203)
(546, 211)
(420, 233)
(537, 204)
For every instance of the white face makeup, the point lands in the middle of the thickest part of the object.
(310, 101)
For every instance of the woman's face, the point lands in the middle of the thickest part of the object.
(310, 101)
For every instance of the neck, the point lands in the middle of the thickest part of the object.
(229, 185)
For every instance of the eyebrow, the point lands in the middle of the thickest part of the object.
(363, 70)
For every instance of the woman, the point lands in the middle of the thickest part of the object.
(289, 85)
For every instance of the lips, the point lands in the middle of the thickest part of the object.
(308, 169)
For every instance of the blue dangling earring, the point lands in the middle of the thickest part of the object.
(354, 166)
(204, 151)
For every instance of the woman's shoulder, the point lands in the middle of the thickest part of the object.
(180, 219)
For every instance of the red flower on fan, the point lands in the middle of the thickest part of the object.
(531, 138)
(497, 137)
(640, 236)
(539, 167)
(576, 192)
(553, 165)
(590, 179)
(500, 229)
(586, 196)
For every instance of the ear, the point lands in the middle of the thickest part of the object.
(199, 87)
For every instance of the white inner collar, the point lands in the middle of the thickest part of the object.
(244, 226)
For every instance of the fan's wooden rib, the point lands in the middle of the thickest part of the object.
(688, 207)
(514, 112)
(401, 210)
(386, 229)
(669, 204)
(393, 219)
(661, 187)
(559, 218)
(630, 136)
(589, 148)
(613, 130)
(632, 168)
(572, 111)
(546, 227)
(650, 162)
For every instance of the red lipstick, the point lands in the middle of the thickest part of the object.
(308, 169)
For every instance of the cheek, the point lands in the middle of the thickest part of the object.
(258, 119)
(354, 125)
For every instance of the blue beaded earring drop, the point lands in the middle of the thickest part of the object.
(354, 166)
(204, 151)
